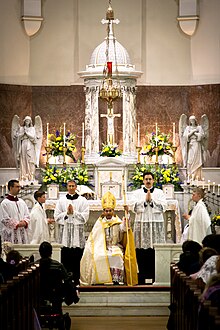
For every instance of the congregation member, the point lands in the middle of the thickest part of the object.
(106, 256)
(199, 219)
(6, 269)
(38, 227)
(15, 216)
(148, 204)
(71, 214)
(55, 282)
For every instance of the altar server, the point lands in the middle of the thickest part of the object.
(109, 253)
(71, 213)
(199, 219)
(38, 228)
(15, 216)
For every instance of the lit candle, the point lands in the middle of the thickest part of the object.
(138, 135)
(64, 134)
(213, 188)
(218, 189)
(203, 183)
(156, 135)
(47, 133)
(174, 133)
(208, 185)
(2, 190)
(83, 134)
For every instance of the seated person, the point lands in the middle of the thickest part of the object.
(6, 270)
(13, 258)
(56, 284)
(189, 262)
(106, 260)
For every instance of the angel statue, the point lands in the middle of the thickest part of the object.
(194, 144)
(26, 142)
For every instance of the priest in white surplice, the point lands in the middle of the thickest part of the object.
(107, 257)
(38, 228)
(71, 213)
(199, 219)
(15, 216)
(149, 204)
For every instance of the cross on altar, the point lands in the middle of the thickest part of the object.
(110, 125)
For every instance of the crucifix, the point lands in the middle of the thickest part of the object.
(110, 123)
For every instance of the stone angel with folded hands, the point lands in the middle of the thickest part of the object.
(194, 144)
(26, 142)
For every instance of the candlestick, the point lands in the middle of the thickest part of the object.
(64, 134)
(218, 189)
(197, 181)
(83, 155)
(138, 135)
(47, 133)
(203, 183)
(174, 133)
(139, 154)
(83, 134)
(208, 185)
(213, 188)
(156, 135)
(2, 190)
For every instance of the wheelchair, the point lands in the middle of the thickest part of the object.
(51, 299)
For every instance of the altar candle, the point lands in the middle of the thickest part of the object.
(138, 135)
(174, 133)
(218, 189)
(203, 183)
(213, 188)
(197, 181)
(208, 185)
(83, 134)
(64, 134)
(156, 135)
(2, 190)
(47, 133)
(6, 187)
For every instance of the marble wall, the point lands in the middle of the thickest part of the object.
(59, 104)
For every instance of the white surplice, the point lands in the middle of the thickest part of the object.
(38, 227)
(199, 222)
(12, 213)
(71, 227)
(149, 220)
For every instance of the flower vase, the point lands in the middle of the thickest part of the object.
(59, 159)
(217, 229)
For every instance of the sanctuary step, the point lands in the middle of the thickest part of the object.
(140, 300)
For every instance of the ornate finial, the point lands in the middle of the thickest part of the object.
(110, 12)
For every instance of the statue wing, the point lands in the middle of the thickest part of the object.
(183, 142)
(39, 136)
(15, 126)
(205, 140)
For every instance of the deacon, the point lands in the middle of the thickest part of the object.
(149, 204)
(109, 255)
(71, 214)
(15, 216)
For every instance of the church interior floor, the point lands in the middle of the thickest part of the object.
(119, 323)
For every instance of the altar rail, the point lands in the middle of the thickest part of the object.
(185, 301)
(19, 299)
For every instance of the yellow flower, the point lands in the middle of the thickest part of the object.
(58, 138)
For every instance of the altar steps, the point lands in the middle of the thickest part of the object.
(140, 300)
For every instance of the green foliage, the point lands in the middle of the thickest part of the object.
(110, 150)
(165, 174)
(162, 142)
(61, 176)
